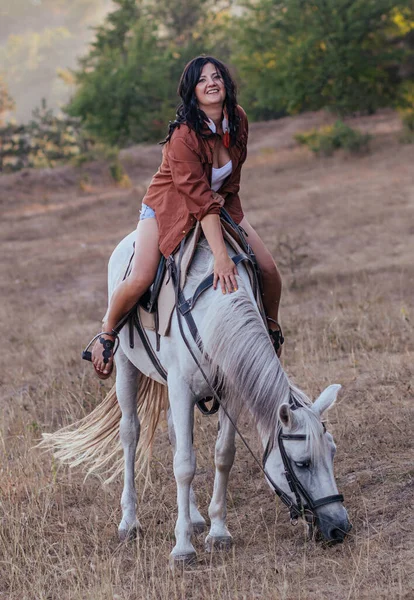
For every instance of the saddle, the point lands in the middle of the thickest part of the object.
(156, 306)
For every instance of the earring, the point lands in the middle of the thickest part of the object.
(226, 132)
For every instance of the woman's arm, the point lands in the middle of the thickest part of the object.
(225, 270)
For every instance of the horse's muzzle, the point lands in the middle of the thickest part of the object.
(334, 531)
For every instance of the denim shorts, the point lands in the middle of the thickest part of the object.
(146, 213)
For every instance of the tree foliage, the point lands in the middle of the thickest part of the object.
(298, 55)
(287, 56)
(47, 140)
(127, 82)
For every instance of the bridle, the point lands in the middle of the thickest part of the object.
(305, 505)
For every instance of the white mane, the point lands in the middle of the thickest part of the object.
(249, 373)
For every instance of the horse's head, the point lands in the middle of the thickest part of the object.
(300, 462)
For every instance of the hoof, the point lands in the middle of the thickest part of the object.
(181, 561)
(220, 543)
(129, 535)
(199, 527)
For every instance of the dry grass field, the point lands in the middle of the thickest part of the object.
(342, 230)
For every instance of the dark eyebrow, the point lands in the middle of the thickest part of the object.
(215, 73)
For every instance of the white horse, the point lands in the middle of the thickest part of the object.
(235, 339)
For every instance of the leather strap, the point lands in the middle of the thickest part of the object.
(225, 216)
(327, 500)
(186, 306)
(207, 412)
(147, 345)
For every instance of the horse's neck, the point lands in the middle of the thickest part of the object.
(236, 339)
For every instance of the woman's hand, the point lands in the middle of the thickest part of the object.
(224, 268)
(225, 271)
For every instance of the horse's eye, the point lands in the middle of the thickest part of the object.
(303, 465)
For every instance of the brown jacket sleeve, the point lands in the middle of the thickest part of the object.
(190, 179)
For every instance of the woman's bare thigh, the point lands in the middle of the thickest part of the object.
(147, 254)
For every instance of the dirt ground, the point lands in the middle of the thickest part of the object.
(342, 232)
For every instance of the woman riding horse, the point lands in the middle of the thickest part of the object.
(202, 159)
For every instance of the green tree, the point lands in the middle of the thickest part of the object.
(304, 55)
(126, 84)
(122, 81)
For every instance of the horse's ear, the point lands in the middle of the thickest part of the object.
(286, 416)
(326, 399)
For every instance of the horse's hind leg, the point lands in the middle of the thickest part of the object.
(219, 536)
(197, 520)
(129, 429)
(182, 414)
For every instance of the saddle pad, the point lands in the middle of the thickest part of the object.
(166, 298)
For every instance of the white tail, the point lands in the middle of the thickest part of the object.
(94, 440)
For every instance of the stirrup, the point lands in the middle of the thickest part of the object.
(107, 344)
(276, 335)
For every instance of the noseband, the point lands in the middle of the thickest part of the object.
(305, 505)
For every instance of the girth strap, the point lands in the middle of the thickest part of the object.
(147, 345)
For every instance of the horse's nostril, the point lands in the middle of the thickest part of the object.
(337, 535)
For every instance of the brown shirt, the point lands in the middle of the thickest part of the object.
(180, 192)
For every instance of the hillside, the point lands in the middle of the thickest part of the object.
(342, 232)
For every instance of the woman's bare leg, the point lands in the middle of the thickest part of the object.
(127, 293)
(272, 282)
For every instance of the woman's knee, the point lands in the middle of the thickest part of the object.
(268, 268)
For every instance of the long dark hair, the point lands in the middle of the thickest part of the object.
(188, 110)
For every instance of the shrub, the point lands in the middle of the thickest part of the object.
(407, 135)
(407, 114)
(96, 151)
(46, 141)
(326, 140)
(118, 174)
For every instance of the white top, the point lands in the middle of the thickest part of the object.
(219, 175)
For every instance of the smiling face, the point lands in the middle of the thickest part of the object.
(210, 90)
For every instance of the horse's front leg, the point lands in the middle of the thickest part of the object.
(197, 520)
(182, 415)
(129, 430)
(219, 536)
